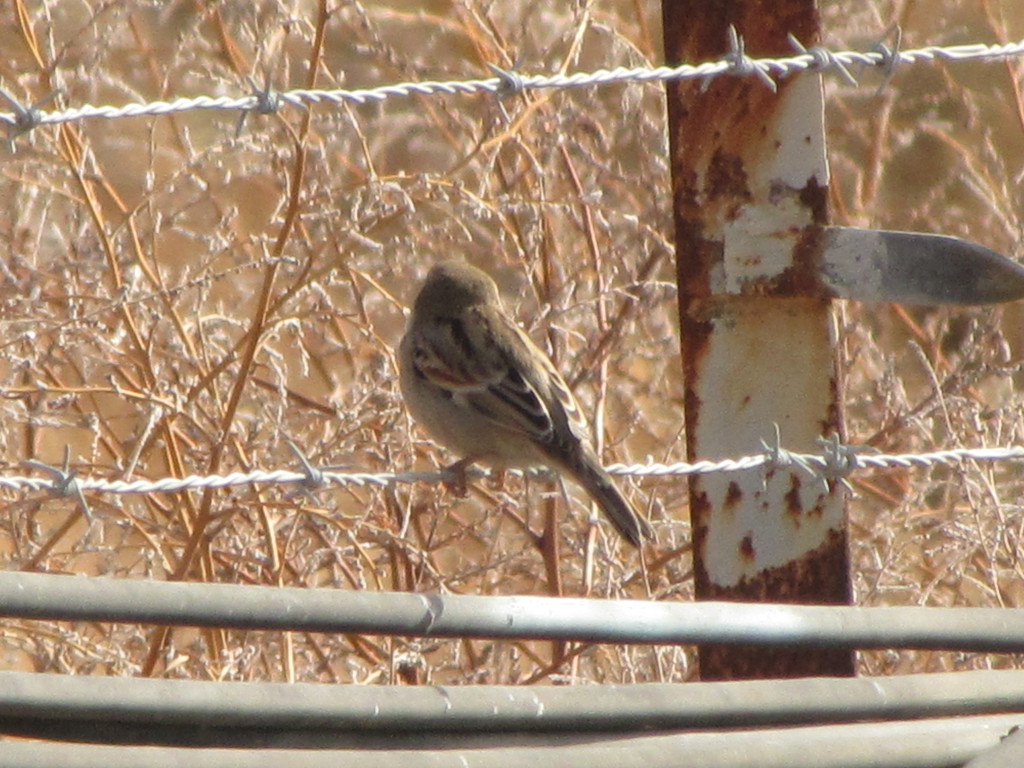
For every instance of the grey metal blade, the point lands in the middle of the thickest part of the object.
(915, 268)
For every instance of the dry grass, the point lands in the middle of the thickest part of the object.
(178, 300)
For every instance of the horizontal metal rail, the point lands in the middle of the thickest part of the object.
(939, 743)
(79, 598)
(191, 713)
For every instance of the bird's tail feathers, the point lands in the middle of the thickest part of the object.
(602, 489)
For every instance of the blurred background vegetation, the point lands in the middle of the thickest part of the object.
(141, 257)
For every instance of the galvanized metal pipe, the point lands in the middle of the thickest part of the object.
(79, 598)
(940, 743)
(102, 707)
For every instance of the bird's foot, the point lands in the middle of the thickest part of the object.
(457, 484)
(497, 480)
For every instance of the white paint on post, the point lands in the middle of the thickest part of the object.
(768, 360)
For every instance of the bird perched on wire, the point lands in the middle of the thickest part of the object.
(477, 383)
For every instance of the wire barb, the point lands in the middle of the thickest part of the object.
(314, 477)
(64, 482)
(839, 460)
(510, 84)
(267, 101)
(776, 457)
(26, 119)
(823, 59)
(742, 65)
(889, 57)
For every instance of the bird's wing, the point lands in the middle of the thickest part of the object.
(483, 359)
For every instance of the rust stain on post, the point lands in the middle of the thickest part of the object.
(819, 570)
(750, 187)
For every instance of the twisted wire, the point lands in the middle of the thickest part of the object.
(735, 64)
(824, 465)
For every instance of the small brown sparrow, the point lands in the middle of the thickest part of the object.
(477, 383)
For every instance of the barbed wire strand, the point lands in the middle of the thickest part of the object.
(24, 119)
(823, 465)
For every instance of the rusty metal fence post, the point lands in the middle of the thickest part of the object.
(758, 343)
